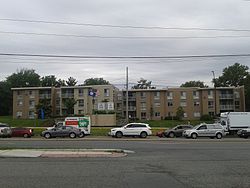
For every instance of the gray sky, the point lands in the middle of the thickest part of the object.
(215, 14)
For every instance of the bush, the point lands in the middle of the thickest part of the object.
(206, 117)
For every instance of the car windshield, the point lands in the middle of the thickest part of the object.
(196, 127)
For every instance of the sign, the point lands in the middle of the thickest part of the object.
(83, 122)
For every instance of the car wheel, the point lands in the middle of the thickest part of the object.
(25, 135)
(194, 135)
(72, 135)
(218, 135)
(47, 135)
(118, 134)
(81, 135)
(171, 135)
(143, 135)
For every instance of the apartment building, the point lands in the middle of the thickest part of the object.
(159, 104)
(87, 98)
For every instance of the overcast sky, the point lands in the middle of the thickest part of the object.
(223, 15)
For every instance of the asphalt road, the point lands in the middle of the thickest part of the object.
(157, 163)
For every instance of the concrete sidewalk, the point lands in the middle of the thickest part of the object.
(60, 153)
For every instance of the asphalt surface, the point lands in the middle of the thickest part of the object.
(155, 163)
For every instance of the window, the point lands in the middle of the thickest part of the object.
(157, 104)
(157, 95)
(210, 104)
(183, 95)
(80, 103)
(157, 114)
(202, 127)
(143, 115)
(170, 103)
(237, 94)
(185, 115)
(210, 94)
(20, 103)
(31, 103)
(80, 92)
(106, 92)
(183, 103)
(196, 103)
(19, 114)
(211, 114)
(170, 95)
(31, 114)
(196, 94)
(197, 114)
(143, 106)
(237, 104)
(30, 92)
(143, 94)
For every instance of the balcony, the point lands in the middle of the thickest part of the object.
(45, 96)
(226, 96)
(67, 95)
(226, 107)
(130, 108)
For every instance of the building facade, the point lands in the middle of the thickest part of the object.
(86, 99)
(157, 104)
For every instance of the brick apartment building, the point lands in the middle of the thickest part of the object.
(156, 104)
(97, 97)
(143, 104)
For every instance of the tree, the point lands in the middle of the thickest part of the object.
(69, 104)
(234, 75)
(194, 84)
(95, 81)
(5, 98)
(71, 81)
(48, 81)
(24, 78)
(180, 113)
(44, 104)
(143, 84)
(60, 83)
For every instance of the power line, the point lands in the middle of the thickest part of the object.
(125, 57)
(124, 37)
(126, 26)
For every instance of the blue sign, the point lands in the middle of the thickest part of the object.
(92, 93)
(42, 114)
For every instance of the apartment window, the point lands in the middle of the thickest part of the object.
(185, 115)
(157, 95)
(30, 92)
(196, 103)
(195, 94)
(169, 95)
(106, 92)
(197, 114)
(19, 103)
(31, 114)
(18, 92)
(80, 92)
(119, 96)
(183, 95)
(237, 94)
(210, 94)
(81, 103)
(143, 115)
(170, 103)
(211, 114)
(210, 104)
(80, 112)
(19, 114)
(237, 104)
(57, 102)
(157, 114)
(143, 94)
(31, 103)
(183, 103)
(143, 106)
(157, 104)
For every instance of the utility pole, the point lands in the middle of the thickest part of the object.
(215, 98)
(127, 94)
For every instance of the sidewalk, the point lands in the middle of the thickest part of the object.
(62, 153)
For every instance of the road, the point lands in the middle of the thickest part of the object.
(157, 163)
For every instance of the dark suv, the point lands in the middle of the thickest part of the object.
(174, 132)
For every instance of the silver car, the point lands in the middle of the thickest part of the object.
(63, 131)
(5, 130)
(205, 130)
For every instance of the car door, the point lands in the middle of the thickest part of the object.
(202, 130)
(128, 130)
(178, 131)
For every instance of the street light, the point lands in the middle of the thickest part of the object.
(215, 111)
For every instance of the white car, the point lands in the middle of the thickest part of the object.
(205, 130)
(132, 129)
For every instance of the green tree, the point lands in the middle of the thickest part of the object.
(69, 104)
(48, 81)
(180, 113)
(143, 84)
(194, 84)
(44, 104)
(234, 75)
(5, 98)
(60, 83)
(95, 81)
(24, 78)
(71, 81)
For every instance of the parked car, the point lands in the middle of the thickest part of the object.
(177, 131)
(22, 132)
(132, 129)
(205, 130)
(5, 130)
(244, 133)
(63, 131)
